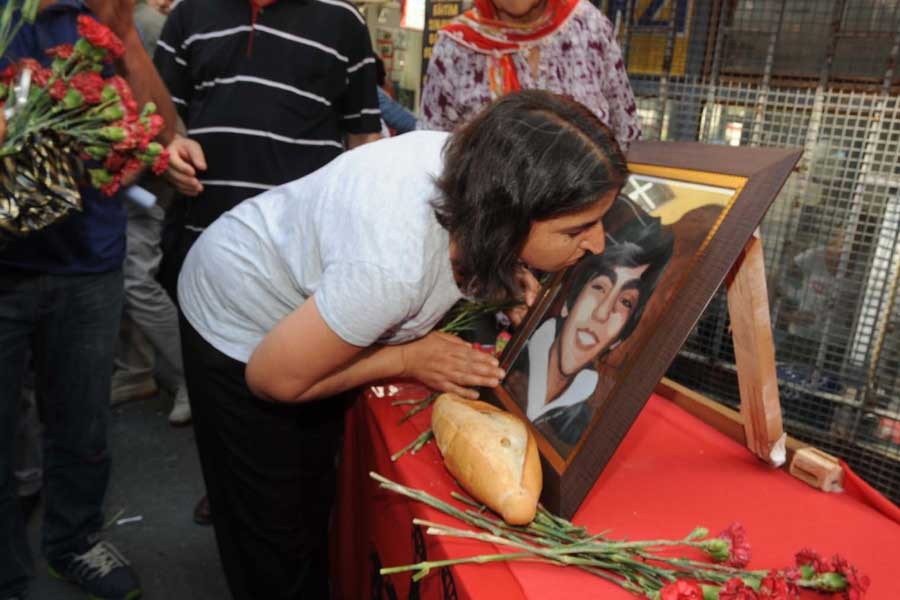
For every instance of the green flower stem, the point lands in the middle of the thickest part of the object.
(8, 31)
(415, 445)
(470, 311)
(423, 568)
(421, 405)
(630, 565)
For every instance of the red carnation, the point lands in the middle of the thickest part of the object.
(154, 125)
(63, 51)
(41, 77)
(121, 86)
(28, 63)
(135, 136)
(161, 163)
(857, 584)
(736, 589)
(58, 90)
(681, 590)
(9, 73)
(90, 85)
(807, 557)
(132, 167)
(114, 162)
(112, 187)
(100, 36)
(777, 587)
(740, 553)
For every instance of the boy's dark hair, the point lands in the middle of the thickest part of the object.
(641, 241)
(529, 156)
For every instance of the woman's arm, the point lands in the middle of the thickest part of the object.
(303, 359)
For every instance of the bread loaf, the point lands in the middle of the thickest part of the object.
(491, 453)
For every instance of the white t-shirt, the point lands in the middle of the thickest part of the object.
(359, 233)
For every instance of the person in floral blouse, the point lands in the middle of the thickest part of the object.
(564, 46)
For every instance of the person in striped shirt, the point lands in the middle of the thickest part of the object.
(268, 92)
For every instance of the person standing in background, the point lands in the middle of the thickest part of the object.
(394, 115)
(563, 46)
(62, 298)
(268, 92)
(150, 320)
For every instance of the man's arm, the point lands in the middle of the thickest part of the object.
(358, 139)
(136, 66)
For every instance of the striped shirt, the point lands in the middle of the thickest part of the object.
(268, 98)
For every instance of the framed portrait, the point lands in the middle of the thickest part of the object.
(603, 332)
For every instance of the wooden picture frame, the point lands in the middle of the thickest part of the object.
(689, 206)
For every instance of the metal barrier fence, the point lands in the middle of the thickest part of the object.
(816, 74)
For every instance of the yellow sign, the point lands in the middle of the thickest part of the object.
(650, 32)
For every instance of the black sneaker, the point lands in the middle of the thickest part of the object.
(101, 571)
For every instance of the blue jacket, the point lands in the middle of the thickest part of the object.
(394, 114)
(92, 241)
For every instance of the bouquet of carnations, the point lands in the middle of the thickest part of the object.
(64, 114)
(654, 569)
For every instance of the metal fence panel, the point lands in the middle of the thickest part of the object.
(816, 74)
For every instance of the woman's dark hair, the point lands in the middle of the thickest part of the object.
(529, 156)
(641, 241)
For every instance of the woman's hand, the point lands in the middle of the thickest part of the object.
(530, 288)
(446, 363)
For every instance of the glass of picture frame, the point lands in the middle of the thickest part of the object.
(602, 332)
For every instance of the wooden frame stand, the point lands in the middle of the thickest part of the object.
(758, 424)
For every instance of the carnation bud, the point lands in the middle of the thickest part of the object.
(710, 592)
(112, 134)
(99, 177)
(82, 46)
(113, 113)
(697, 533)
(72, 99)
(149, 109)
(154, 149)
(718, 549)
(97, 152)
(830, 582)
(109, 93)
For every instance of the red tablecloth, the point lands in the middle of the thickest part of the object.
(671, 473)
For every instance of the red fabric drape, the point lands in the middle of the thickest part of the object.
(671, 473)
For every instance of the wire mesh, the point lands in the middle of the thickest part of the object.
(819, 75)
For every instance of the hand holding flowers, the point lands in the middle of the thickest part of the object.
(66, 113)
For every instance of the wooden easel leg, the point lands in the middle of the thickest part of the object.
(754, 351)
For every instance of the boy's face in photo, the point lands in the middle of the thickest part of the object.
(597, 317)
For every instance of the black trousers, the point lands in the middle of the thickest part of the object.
(270, 475)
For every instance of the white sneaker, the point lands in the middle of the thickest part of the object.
(181, 408)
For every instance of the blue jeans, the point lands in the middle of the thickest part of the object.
(71, 323)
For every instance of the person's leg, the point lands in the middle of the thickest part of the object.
(76, 342)
(133, 366)
(269, 471)
(146, 302)
(29, 464)
(18, 298)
